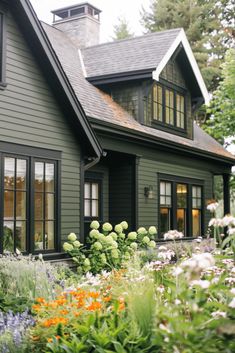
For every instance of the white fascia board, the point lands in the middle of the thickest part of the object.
(181, 38)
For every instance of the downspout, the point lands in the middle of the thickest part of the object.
(94, 161)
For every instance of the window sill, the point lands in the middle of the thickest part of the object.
(170, 129)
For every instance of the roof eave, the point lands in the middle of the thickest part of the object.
(150, 139)
(182, 39)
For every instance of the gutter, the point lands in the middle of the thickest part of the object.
(94, 161)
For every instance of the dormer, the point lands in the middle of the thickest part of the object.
(154, 77)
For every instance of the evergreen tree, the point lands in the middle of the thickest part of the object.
(121, 29)
(208, 25)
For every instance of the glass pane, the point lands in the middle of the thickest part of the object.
(95, 189)
(155, 93)
(181, 220)
(164, 220)
(182, 104)
(196, 218)
(182, 120)
(194, 203)
(87, 208)
(178, 102)
(38, 206)
(194, 191)
(181, 195)
(38, 235)
(171, 117)
(50, 177)
(162, 188)
(160, 94)
(49, 206)
(49, 235)
(21, 174)
(168, 189)
(8, 204)
(8, 236)
(199, 191)
(20, 205)
(167, 100)
(9, 173)
(178, 119)
(160, 112)
(162, 200)
(199, 203)
(21, 236)
(87, 191)
(171, 100)
(168, 201)
(95, 208)
(39, 176)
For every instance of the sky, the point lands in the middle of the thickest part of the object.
(111, 11)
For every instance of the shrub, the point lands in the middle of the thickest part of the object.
(107, 248)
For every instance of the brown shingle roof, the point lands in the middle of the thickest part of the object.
(100, 106)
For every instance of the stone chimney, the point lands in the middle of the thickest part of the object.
(81, 22)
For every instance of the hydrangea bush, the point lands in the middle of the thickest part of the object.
(108, 247)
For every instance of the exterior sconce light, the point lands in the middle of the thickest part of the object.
(148, 192)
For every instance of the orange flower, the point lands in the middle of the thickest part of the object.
(51, 339)
(94, 295)
(36, 307)
(94, 306)
(107, 299)
(76, 314)
(55, 321)
(40, 300)
(64, 312)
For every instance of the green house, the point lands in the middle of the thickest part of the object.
(99, 131)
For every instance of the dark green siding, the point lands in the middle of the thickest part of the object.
(121, 192)
(127, 95)
(30, 116)
(153, 161)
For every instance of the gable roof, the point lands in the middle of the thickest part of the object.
(147, 53)
(51, 66)
(102, 110)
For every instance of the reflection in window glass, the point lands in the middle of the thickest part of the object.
(169, 106)
(91, 199)
(15, 204)
(181, 190)
(157, 103)
(165, 206)
(196, 210)
(44, 206)
(180, 111)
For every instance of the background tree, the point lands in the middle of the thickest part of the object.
(121, 29)
(209, 25)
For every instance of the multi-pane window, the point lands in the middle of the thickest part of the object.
(180, 204)
(15, 204)
(28, 204)
(165, 206)
(168, 107)
(157, 103)
(181, 191)
(44, 205)
(92, 199)
(196, 210)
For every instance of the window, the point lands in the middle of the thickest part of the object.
(180, 205)
(165, 206)
(44, 205)
(196, 210)
(29, 203)
(172, 112)
(92, 199)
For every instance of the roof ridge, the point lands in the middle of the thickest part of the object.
(133, 38)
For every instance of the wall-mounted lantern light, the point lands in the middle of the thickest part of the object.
(148, 192)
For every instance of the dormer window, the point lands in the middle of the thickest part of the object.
(168, 107)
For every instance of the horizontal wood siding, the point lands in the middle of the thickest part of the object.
(127, 95)
(121, 193)
(30, 116)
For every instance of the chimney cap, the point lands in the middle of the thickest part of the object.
(73, 7)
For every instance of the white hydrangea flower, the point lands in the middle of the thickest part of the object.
(124, 225)
(152, 244)
(107, 227)
(67, 247)
(72, 237)
(132, 236)
(212, 206)
(218, 314)
(142, 231)
(118, 228)
(94, 233)
(77, 244)
(146, 240)
(152, 230)
(94, 225)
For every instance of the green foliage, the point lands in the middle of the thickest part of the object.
(221, 124)
(121, 29)
(109, 248)
(208, 25)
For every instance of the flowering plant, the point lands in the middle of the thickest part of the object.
(109, 247)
